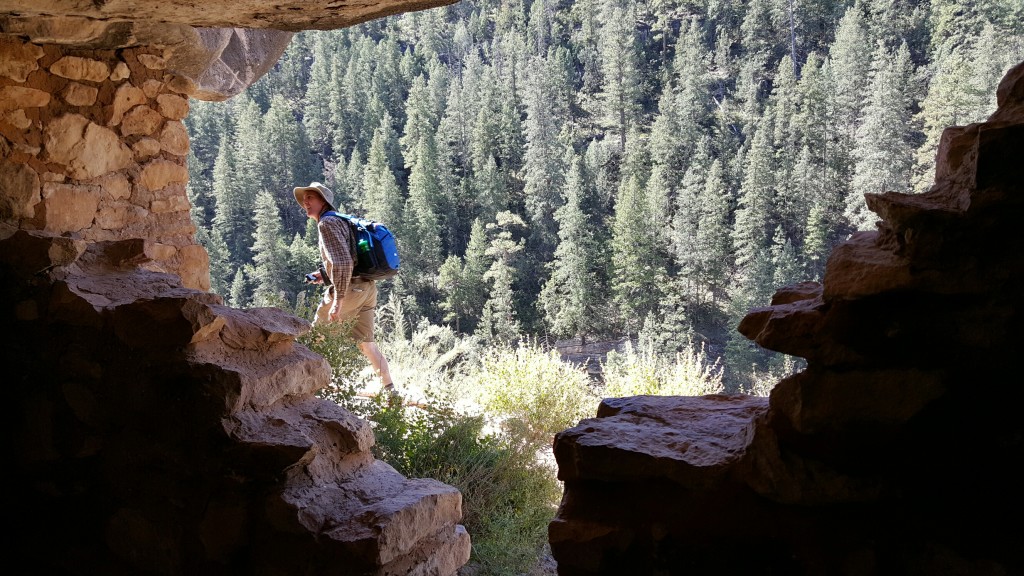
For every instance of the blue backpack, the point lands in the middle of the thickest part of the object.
(374, 246)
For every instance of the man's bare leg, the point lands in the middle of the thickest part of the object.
(378, 361)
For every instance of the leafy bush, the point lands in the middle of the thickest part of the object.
(508, 498)
(633, 373)
(334, 342)
(531, 392)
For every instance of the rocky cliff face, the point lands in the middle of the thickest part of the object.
(895, 452)
(157, 431)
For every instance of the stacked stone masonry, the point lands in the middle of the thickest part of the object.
(157, 431)
(93, 146)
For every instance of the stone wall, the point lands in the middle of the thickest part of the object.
(92, 146)
(155, 430)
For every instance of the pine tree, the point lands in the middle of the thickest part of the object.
(500, 319)
(636, 272)
(240, 289)
(621, 90)
(419, 122)
(302, 258)
(785, 260)
(755, 212)
(251, 155)
(207, 124)
(382, 199)
(270, 277)
(713, 246)
(316, 108)
(544, 174)
(286, 143)
(450, 283)
(477, 262)
(352, 193)
(420, 223)
(232, 221)
(199, 192)
(685, 224)
(850, 57)
(356, 127)
(882, 154)
(572, 293)
(221, 269)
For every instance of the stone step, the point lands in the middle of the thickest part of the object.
(680, 439)
(376, 519)
(318, 436)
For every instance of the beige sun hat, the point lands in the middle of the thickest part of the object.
(317, 187)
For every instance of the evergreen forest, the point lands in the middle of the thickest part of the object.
(594, 169)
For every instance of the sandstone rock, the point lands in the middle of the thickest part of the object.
(683, 440)
(194, 267)
(79, 94)
(845, 470)
(17, 59)
(172, 106)
(20, 194)
(18, 119)
(69, 208)
(120, 72)
(26, 149)
(180, 84)
(125, 98)
(141, 120)
(158, 174)
(815, 401)
(118, 215)
(169, 204)
(14, 97)
(152, 88)
(77, 68)
(153, 61)
(116, 186)
(174, 138)
(88, 150)
(292, 15)
(35, 251)
(224, 61)
(146, 148)
(158, 251)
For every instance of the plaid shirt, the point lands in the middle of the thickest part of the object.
(336, 253)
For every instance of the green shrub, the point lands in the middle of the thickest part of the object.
(508, 498)
(334, 343)
(633, 373)
(531, 392)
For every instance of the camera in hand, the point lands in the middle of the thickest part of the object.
(310, 278)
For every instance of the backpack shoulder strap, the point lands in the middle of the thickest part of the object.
(351, 233)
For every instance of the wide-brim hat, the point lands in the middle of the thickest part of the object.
(317, 187)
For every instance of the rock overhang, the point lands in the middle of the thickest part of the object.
(223, 46)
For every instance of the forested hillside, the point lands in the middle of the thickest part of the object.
(598, 168)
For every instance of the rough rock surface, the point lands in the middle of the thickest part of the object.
(156, 430)
(73, 153)
(895, 451)
(164, 433)
(219, 46)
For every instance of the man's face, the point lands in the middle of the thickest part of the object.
(313, 204)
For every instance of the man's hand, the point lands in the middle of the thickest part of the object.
(314, 278)
(335, 313)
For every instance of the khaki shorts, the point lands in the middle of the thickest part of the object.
(359, 303)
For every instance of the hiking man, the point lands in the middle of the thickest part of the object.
(345, 297)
